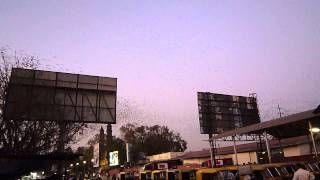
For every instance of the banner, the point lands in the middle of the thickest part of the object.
(96, 155)
(114, 158)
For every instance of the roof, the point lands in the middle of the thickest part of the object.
(246, 147)
(317, 110)
(284, 127)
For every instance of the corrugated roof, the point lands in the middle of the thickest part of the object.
(285, 127)
(246, 147)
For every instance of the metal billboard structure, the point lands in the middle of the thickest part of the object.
(35, 95)
(220, 112)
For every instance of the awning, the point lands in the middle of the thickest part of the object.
(284, 127)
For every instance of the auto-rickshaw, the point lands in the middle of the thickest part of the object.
(207, 173)
(187, 174)
(172, 174)
(274, 171)
(158, 175)
(145, 175)
(122, 175)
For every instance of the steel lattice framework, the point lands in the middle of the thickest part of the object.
(34, 95)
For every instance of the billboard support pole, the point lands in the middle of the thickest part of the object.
(235, 149)
(61, 146)
(212, 154)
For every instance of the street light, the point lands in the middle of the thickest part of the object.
(84, 162)
(71, 165)
(77, 164)
(315, 129)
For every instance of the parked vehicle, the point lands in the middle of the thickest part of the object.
(158, 175)
(178, 174)
(145, 175)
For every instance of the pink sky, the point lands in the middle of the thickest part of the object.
(163, 52)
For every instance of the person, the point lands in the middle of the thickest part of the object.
(226, 175)
(302, 173)
(246, 172)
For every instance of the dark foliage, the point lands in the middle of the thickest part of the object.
(116, 144)
(27, 137)
(150, 140)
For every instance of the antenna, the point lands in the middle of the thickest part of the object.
(280, 113)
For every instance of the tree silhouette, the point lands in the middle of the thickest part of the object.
(116, 144)
(25, 137)
(150, 140)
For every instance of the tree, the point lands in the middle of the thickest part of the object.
(116, 144)
(150, 140)
(35, 137)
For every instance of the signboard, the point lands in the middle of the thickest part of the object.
(103, 162)
(114, 158)
(220, 112)
(162, 165)
(96, 155)
(35, 95)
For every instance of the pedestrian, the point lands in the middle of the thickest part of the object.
(246, 172)
(226, 175)
(302, 173)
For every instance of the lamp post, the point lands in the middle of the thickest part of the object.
(267, 145)
(84, 168)
(313, 130)
(235, 150)
(77, 169)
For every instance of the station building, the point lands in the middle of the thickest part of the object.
(291, 149)
(293, 138)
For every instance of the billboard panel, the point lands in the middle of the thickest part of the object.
(95, 159)
(54, 96)
(220, 112)
(114, 158)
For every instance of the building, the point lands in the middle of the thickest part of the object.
(293, 138)
(165, 156)
(290, 149)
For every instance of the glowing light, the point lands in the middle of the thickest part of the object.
(315, 129)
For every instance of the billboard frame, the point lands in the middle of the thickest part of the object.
(69, 89)
(222, 112)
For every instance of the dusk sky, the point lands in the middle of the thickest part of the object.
(164, 52)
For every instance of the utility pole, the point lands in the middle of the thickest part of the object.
(109, 141)
(212, 151)
(102, 146)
